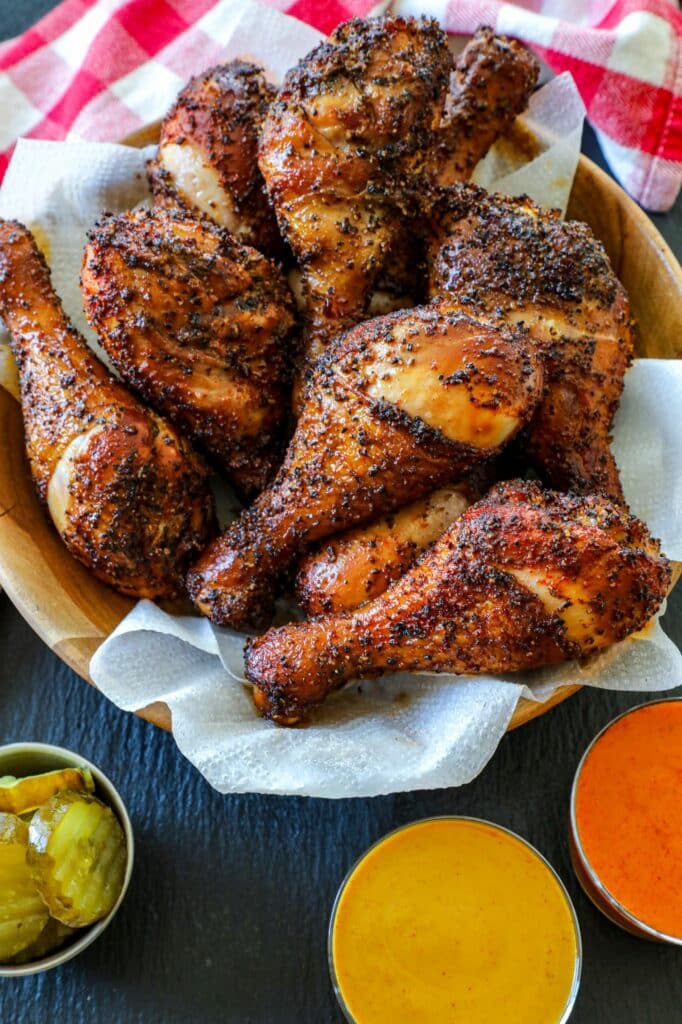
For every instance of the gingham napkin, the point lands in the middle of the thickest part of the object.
(99, 69)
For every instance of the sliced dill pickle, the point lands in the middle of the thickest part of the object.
(23, 915)
(21, 795)
(53, 935)
(77, 853)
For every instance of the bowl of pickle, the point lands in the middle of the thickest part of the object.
(66, 856)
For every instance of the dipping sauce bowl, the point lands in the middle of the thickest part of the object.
(626, 821)
(454, 920)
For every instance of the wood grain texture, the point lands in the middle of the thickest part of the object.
(73, 612)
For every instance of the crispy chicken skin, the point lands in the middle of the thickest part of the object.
(506, 260)
(199, 326)
(491, 83)
(360, 564)
(396, 408)
(524, 578)
(207, 156)
(125, 491)
(343, 153)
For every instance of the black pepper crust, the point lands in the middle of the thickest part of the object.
(220, 114)
(200, 327)
(491, 83)
(133, 503)
(355, 456)
(525, 578)
(343, 154)
(352, 567)
(506, 260)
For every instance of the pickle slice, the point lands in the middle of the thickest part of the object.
(18, 796)
(53, 935)
(77, 854)
(23, 915)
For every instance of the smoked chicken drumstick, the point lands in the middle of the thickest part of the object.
(343, 152)
(491, 83)
(355, 566)
(524, 578)
(362, 130)
(199, 326)
(127, 494)
(505, 260)
(397, 407)
(207, 156)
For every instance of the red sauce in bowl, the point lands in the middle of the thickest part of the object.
(626, 821)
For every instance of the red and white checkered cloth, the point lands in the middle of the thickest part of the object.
(98, 69)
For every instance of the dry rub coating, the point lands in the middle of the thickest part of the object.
(207, 156)
(199, 326)
(125, 491)
(491, 83)
(397, 407)
(358, 565)
(506, 260)
(343, 156)
(524, 578)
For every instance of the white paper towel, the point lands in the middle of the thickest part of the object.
(399, 733)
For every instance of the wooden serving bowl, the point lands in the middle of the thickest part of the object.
(73, 612)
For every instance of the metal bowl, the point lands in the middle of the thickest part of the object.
(29, 759)
(591, 883)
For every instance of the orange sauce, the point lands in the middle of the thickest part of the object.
(453, 920)
(628, 814)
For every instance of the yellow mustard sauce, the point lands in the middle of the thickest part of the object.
(454, 920)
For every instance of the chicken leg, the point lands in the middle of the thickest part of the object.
(524, 578)
(504, 260)
(397, 407)
(207, 157)
(199, 326)
(491, 83)
(126, 493)
(343, 152)
(358, 565)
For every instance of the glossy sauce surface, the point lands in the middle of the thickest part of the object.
(448, 921)
(628, 814)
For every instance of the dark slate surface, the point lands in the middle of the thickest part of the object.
(227, 913)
